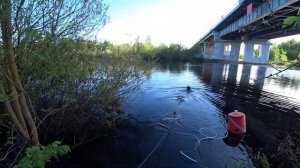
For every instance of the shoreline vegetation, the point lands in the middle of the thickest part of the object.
(75, 87)
(286, 54)
(57, 85)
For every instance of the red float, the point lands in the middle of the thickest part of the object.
(237, 123)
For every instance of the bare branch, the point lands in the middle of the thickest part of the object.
(280, 71)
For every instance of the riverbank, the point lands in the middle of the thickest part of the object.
(293, 64)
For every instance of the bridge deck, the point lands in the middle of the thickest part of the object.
(265, 22)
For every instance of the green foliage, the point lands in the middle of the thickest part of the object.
(150, 53)
(87, 79)
(264, 161)
(66, 70)
(286, 53)
(278, 55)
(106, 48)
(292, 21)
(173, 53)
(146, 51)
(61, 19)
(116, 78)
(37, 157)
(292, 49)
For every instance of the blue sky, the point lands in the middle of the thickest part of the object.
(165, 21)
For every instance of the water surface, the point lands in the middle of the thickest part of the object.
(217, 89)
(170, 127)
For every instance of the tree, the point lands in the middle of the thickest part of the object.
(292, 48)
(106, 48)
(27, 23)
(13, 94)
(277, 54)
(60, 18)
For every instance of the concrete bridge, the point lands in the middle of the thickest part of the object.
(254, 23)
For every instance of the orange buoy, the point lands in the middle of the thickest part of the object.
(237, 123)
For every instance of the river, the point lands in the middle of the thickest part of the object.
(171, 127)
(217, 89)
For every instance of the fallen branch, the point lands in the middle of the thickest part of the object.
(280, 71)
(10, 149)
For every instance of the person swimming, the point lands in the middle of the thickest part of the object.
(188, 88)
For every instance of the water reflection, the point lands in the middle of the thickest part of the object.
(245, 76)
(271, 105)
(175, 68)
(248, 81)
(233, 74)
(166, 93)
(285, 82)
(217, 89)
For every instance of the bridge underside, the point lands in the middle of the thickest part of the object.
(264, 23)
(268, 27)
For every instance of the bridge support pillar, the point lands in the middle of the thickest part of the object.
(219, 46)
(207, 51)
(263, 56)
(225, 50)
(265, 52)
(249, 52)
(235, 51)
(219, 50)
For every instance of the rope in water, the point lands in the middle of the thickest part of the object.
(162, 138)
(198, 142)
(160, 141)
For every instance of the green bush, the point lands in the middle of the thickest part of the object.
(79, 82)
(292, 49)
(37, 157)
(66, 69)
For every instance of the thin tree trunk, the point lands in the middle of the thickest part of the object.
(29, 119)
(10, 111)
(20, 102)
(18, 111)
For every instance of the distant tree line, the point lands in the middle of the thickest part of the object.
(149, 52)
(286, 52)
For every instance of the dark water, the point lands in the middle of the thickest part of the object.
(175, 128)
(217, 89)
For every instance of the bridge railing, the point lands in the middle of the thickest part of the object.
(233, 7)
